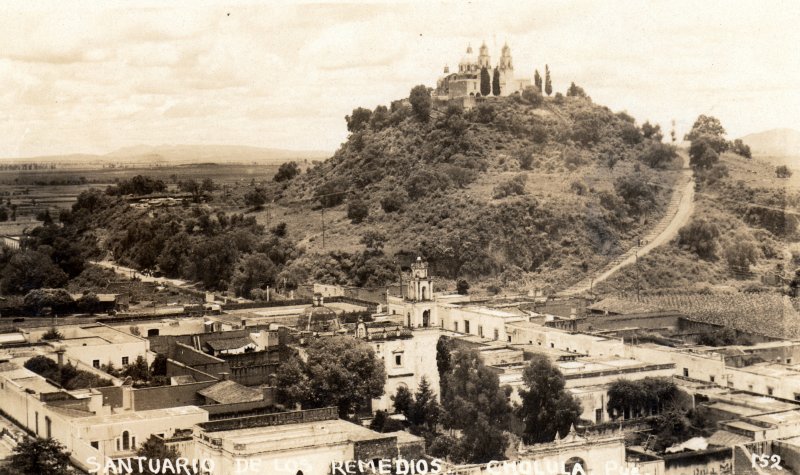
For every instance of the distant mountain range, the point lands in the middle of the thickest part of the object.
(181, 154)
(781, 146)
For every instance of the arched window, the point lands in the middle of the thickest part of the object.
(126, 440)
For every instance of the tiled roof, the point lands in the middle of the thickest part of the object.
(229, 343)
(228, 392)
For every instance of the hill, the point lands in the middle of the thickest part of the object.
(520, 191)
(778, 146)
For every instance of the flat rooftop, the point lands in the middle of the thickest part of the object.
(131, 416)
(295, 436)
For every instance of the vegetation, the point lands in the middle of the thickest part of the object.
(782, 171)
(154, 449)
(289, 170)
(69, 377)
(340, 371)
(547, 407)
(35, 455)
(645, 397)
(476, 405)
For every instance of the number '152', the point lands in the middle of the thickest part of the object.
(764, 460)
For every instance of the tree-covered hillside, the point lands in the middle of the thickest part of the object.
(521, 188)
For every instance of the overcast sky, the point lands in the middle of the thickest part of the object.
(96, 76)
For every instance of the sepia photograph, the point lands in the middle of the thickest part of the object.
(400, 238)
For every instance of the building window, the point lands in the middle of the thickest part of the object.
(749, 387)
(466, 326)
(96, 363)
(598, 416)
(36, 420)
(770, 390)
(95, 444)
(552, 345)
(797, 396)
(455, 326)
(124, 361)
(788, 361)
(48, 427)
(480, 331)
(496, 334)
(398, 360)
(126, 440)
(712, 379)
(685, 372)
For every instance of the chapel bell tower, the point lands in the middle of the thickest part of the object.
(420, 287)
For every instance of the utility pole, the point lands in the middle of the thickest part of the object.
(323, 227)
(637, 274)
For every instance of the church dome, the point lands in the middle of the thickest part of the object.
(469, 58)
(318, 318)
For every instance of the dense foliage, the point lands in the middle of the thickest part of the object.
(339, 371)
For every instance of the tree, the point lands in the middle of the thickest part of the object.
(576, 91)
(28, 270)
(537, 80)
(332, 192)
(56, 299)
(782, 171)
(702, 154)
(486, 86)
(358, 120)
(548, 85)
(742, 251)
(710, 130)
(154, 448)
(35, 455)
(287, 171)
(159, 365)
(462, 287)
(255, 198)
(254, 271)
(639, 195)
(532, 96)
(340, 371)
(393, 201)
(380, 118)
(652, 131)
(741, 148)
(547, 407)
(700, 236)
(496, 82)
(403, 400)
(138, 370)
(475, 404)
(52, 334)
(658, 155)
(630, 399)
(420, 99)
(357, 210)
(425, 411)
(374, 241)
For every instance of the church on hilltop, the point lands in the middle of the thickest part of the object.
(466, 82)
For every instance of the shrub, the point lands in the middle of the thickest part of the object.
(532, 96)
(287, 171)
(658, 155)
(783, 171)
(394, 201)
(332, 192)
(513, 186)
(700, 236)
(578, 187)
(357, 210)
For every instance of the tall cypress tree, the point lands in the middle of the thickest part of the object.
(486, 87)
(548, 86)
(496, 82)
(537, 80)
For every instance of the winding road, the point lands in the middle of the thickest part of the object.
(679, 212)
